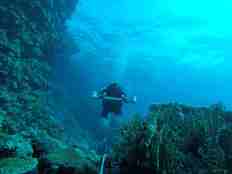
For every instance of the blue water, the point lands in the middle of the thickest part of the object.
(159, 50)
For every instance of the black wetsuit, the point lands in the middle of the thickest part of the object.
(110, 106)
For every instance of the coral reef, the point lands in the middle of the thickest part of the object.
(71, 160)
(173, 139)
(32, 33)
(18, 166)
(21, 155)
(176, 138)
(14, 145)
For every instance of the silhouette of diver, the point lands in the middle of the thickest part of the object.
(113, 98)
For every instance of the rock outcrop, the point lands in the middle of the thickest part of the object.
(18, 166)
(177, 139)
(31, 33)
(70, 160)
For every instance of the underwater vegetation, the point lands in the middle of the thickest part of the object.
(177, 139)
(31, 140)
(31, 33)
(173, 138)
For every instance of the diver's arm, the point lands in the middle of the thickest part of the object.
(125, 98)
(101, 93)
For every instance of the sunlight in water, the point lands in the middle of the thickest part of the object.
(154, 43)
(188, 29)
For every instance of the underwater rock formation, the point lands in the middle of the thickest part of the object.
(15, 145)
(70, 160)
(18, 166)
(31, 33)
(176, 138)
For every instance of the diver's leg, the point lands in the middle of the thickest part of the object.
(118, 112)
(118, 109)
(117, 119)
(105, 109)
(104, 112)
(104, 119)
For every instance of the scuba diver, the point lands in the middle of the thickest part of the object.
(112, 98)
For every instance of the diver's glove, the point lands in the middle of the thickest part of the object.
(95, 95)
(127, 100)
(134, 100)
(98, 95)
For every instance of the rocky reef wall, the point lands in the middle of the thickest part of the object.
(177, 139)
(31, 33)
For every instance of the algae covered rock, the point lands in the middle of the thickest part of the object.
(2, 119)
(176, 138)
(71, 160)
(225, 140)
(31, 32)
(18, 166)
(15, 145)
(44, 144)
